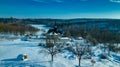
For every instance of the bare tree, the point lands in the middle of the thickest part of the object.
(80, 50)
(53, 45)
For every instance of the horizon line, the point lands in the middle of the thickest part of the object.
(59, 18)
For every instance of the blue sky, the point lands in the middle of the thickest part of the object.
(60, 8)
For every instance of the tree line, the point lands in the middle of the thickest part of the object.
(17, 29)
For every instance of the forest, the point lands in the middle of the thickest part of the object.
(16, 29)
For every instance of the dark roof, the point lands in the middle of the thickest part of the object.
(54, 30)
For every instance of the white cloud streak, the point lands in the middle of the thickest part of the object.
(117, 1)
(58, 1)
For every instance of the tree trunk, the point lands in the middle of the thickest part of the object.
(104, 48)
(79, 60)
(52, 57)
(109, 48)
(108, 51)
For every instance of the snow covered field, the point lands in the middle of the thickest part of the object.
(10, 49)
(42, 28)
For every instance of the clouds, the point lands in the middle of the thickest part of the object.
(47, 1)
(117, 1)
(60, 1)
(57, 1)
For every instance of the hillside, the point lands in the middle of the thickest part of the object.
(11, 49)
(111, 23)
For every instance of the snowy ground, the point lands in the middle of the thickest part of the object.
(10, 49)
(42, 28)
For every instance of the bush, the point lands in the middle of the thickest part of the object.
(86, 57)
(42, 45)
(103, 56)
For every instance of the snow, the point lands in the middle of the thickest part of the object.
(42, 28)
(11, 49)
(64, 38)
